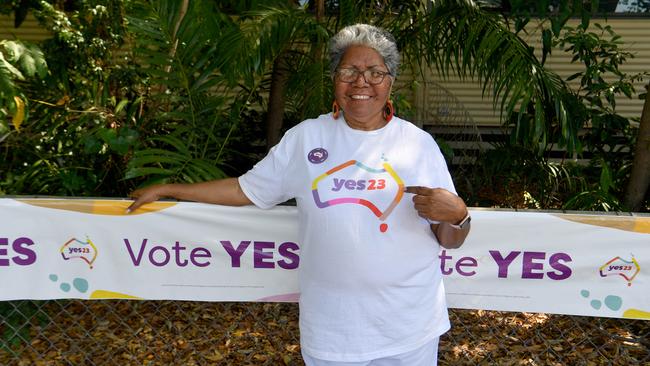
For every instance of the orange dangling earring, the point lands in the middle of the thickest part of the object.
(336, 110)
(389, 111)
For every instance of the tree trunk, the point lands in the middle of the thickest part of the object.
(640, 177)
(320, 10)
(181, 16)
(279, 79)
(172, 51)
(275, 113)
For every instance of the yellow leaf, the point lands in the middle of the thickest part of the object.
(215, 357)
(261, 358)
(63, 100)
(287, 359)
(293, 348)
(19, 116)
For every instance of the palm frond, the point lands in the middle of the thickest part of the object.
(175, 162)
(464, 40)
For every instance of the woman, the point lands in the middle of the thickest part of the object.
(370, 281)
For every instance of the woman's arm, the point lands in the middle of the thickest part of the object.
(448, 209)
(450, 236)
(221, 192)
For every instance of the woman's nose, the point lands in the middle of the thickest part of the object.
(361, 79)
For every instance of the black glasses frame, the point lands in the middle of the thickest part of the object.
(370, 76)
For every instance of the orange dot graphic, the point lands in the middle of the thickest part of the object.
(383, 227)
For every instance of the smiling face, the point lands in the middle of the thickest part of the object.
(362, 103)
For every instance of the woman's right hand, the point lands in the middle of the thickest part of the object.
(219, 191)
(146, 195)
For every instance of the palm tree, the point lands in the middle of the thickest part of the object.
(640, 177)
(292, 42)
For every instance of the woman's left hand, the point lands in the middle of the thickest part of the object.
(438, 204)
(441, 205)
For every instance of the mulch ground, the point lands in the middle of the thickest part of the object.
(198, 333)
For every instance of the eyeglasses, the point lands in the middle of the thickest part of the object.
(372, 77)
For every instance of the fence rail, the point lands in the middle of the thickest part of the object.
(127, 332)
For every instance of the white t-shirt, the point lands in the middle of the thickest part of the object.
(369, 272)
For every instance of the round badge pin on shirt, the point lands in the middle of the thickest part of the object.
(317, 155)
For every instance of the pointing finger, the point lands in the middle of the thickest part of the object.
(134, 206)
(138, 200)
(417, 190)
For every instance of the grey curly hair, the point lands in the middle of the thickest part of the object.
(366, 35)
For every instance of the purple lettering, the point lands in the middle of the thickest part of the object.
(529, 265)
(25, 255)
(3, 252)
(19, 247)
(358, 185)
(564, 271)
(165, 254)
(503, 263)
(260, 256)
(466, 262)
(443, 258)
(288, 251)
(134, 259)
(177, 248)
(235, 254)
(200, 253)
(338, 184)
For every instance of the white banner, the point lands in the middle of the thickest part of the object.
(593, 265)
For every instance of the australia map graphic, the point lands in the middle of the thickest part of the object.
(334, 187)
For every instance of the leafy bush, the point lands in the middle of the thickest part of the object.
(126, 101)
(513, 176)
(64, 145)
(530, 179)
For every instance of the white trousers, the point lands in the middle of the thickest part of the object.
(426, 355)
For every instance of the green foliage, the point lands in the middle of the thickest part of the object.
(175, 161)
(609, 135)
(178, 90)
(64, 149)
(564, 118)
(18, 317)
(600, 53)
(557, 12)
(18, 62)
(602, 136)
(102, 111)
(599, 195)
(183, 62)
(513, 176)
(293, 34)
(463, 38)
